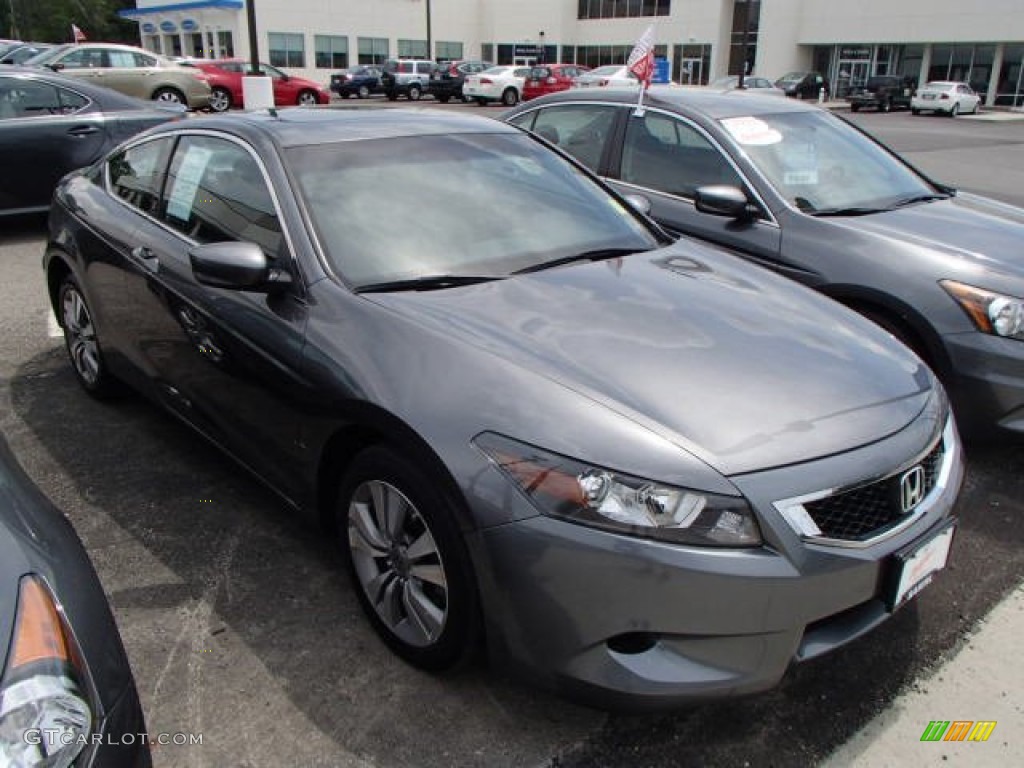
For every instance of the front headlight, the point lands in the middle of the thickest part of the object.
(991, 312)
(45, 717)
(599, 497)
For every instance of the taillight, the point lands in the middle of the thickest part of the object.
(944, 96)
(602, 82)
(486, 81)
(552, 81)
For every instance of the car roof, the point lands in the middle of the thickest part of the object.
(709, 102)
(295, 127)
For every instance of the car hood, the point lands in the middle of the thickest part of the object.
(978, 235)
(742, 368)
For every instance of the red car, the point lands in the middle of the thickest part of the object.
(225, 76)
(551, 78)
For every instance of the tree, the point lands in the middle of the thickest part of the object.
(49, 21)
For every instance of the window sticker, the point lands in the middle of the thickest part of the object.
(186, 182)
(751, 131)
(800, 165)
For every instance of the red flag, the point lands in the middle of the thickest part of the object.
(641, 60)
(77, 34)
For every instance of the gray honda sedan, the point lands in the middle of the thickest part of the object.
(797, 189)
(643, 470)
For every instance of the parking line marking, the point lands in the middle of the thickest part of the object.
(53, 329)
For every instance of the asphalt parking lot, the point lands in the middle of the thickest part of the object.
(241, 625)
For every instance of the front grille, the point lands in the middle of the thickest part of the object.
(866, 512)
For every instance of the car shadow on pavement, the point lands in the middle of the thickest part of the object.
(229, 605)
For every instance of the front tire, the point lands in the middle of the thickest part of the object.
(83, 343)
(363, 92)
(855, 107)
(307, 99)
(414, 93)
(954, 110)
(220, 100)
(510, 97)
(407, 560)
(915, 111)
(169, 96)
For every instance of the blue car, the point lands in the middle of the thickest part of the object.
(361, 82)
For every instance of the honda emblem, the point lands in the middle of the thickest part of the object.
(912, 488)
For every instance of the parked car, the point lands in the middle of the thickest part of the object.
(359, 81)
(225, 76)
(951, 98)
(65, 684)
(6, 45)
(447, 81)
(51, 124)
(801, 191)
(558, 496)
(551, 78)
(502, 84)
(761, 85)
(883, 92)
(132, 71)
(19, 54)
(616, 76)
(804, 85)
(406, 77)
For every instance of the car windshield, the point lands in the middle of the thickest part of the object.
(407, 208)
(45, 57)
(791, 77)
(820, 164)
(496, 71)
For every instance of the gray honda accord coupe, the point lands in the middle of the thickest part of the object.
(67, 696)
(644, 471)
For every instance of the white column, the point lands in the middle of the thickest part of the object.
(993, 78)
(926, 64)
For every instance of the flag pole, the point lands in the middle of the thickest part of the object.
(641, 64)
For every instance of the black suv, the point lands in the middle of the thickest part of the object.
(804, 85)
(447, 80)
(884, 93)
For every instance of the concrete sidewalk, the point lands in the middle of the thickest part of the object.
(984, 681)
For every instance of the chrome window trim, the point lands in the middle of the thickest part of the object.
(174, 136)
(796, 515)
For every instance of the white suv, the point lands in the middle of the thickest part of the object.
(406, 77)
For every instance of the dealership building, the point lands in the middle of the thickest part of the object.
(981, 42)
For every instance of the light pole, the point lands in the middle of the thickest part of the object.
(744, 44)
(14, 24)
(429, 54)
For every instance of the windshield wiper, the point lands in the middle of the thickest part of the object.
(852, 211)
(427, 283)
(596, 255)
(925, 198)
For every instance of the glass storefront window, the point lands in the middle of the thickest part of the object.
(373, 50)
(331, 51)
(1010, 91)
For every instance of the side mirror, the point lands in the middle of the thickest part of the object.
(56, 66)
(235, 265)
(639, 203)
(724, 200)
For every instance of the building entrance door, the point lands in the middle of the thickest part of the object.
(524, 61)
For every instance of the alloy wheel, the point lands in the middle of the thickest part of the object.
(220, 100)
(80, 335)
(398, 563)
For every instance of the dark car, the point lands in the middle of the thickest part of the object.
(804, 85)
(447, 80)
(20, 54)
(51, 124)
(529, 416)
(360, 81)
(66, 690)
(798, 189)
(884, 93)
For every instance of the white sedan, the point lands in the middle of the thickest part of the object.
(613, 76)
(945, 96)
(504, 84)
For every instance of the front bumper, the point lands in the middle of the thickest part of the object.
(988, 384)
(626, 622)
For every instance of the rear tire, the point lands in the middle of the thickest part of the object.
(443, 99)
(414, 93)
(83, 344)
(220, 100)
(855, 107)
(170, 96)
(408, 562)
(363, 92)
(915, 111)
(954, 110)
(510, 97)
(886, 106)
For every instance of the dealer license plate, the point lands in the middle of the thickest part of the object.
(916, 567)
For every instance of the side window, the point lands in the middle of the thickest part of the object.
(88, 58)
(216, 193)
(136, 174)
(122, 59)
(667, 155)
(580, 129)
(141, 60)
(28, 98)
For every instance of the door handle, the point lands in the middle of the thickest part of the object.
(147, 257)
(83, 130)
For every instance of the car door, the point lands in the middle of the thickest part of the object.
(227, 360)
(45, 131)
(83, 63)
(130, 73)
(583, 130)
